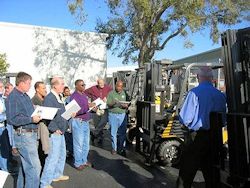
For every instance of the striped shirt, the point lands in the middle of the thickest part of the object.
(19, 109)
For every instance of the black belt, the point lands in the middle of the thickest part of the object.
(18, 130)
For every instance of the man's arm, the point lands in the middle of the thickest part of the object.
(14, 114)
(188, 109)
(110, 101)
(89, 92)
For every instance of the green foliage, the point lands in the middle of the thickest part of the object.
(148, 25)
(76, 8)
(139, 28)
(3, 64)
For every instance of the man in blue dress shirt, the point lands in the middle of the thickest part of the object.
(194, 115)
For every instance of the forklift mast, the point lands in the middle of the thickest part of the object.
(234, 166)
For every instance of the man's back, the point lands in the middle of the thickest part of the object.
(200, 102)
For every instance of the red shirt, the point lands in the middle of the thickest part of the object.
(95, 92)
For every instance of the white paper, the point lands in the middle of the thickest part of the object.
(72, 107)
(3, 178)
(45, 112)
(99, 103)
(124, 102)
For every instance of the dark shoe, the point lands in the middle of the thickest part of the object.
(87, 164)
(113, 152)
(80, 168)
(122, 153)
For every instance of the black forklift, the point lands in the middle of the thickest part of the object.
(159, 134)
(231, 167)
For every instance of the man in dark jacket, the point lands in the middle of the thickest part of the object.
(54, 163)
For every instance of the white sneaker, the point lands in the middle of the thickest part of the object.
(61, 178)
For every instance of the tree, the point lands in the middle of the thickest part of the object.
(3, 64)
(76, 8)
(139, 28)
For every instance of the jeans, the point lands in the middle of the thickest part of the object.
(26, 144)
(3, 161)
(11, 135)
(55, 161)
(121, 135)
(116, 121)
(81, 135)
(100, 122)
(69, 142)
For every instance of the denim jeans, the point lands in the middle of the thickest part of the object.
(80, 133)
(121, 135)
(3, 161)
(55, 161)
(26, 144)
(115, 121)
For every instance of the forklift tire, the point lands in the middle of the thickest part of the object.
(169, 152)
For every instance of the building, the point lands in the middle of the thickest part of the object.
(211, 56)
(44, 52)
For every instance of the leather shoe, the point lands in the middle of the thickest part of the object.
(113, 152)
(81, 167)
(122, 153)
(87, 164)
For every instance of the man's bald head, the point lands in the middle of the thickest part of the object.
(57, 84)
(100, 83)
(205, 73)
(119, 86)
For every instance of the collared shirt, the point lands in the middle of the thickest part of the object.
(114, 96)
(19, 109)
(95, 92)
(59, 97)
(37, 100)
(199, 103)
(82, 100)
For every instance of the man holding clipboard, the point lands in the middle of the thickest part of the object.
(18, 110)
(118, 104)
(55, 161)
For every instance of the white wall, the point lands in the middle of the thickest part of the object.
(43, 52)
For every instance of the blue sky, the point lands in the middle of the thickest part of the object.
(54, 13)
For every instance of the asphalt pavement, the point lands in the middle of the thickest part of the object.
(115, 171)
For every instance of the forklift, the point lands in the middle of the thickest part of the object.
(160, 135)
(232, 169)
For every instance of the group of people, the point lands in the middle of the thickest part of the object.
(43, 161)
(24, 130)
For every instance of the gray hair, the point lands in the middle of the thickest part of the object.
(205, 72)
(55, 81)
